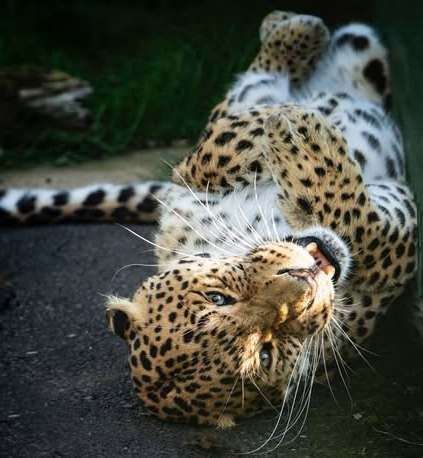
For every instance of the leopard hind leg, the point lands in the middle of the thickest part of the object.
(291, 44)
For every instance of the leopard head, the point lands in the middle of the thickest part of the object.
(210, 339)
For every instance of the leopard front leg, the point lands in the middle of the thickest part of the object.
(229, 155)
(320, 184)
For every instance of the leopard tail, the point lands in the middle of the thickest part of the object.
(138, 202)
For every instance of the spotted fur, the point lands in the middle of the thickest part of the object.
(138, 202)
(300, 165)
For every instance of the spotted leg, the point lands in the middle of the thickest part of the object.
(320, 184)
(272, 21)
(291, 47)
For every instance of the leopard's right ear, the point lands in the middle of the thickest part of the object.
(121, 314)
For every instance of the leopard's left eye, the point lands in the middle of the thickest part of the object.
(219, 298)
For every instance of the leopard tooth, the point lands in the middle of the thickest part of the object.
(329, 270)
(312, 247)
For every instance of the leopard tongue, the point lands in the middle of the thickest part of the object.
(321, 260)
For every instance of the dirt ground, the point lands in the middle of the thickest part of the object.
(146, 164)
(64, 385)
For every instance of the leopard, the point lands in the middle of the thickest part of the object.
(283, 237)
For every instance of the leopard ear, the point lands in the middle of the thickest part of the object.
(120, 315)
(118, 322)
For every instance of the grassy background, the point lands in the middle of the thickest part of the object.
(158, 67)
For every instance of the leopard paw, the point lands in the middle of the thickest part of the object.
(293, 46)
(271, 21)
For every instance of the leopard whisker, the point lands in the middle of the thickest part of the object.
(184, 220)
(153, 243)
(215, 218)
(306, 398)
(127, 266)
(303, 376)
(223, 223)
(258, 237)
(282, 408)
(325, 367)
(334, 351)
(261, 393)
(307, 401)
(229, 396)
(260, 208)
(274, 226)
(356, 347)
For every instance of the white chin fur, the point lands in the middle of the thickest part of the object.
(338, 247)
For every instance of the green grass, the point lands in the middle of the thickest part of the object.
(157, 68)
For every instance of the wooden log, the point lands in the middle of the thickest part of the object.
(32, 97)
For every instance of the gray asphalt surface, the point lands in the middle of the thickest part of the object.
(64, 385)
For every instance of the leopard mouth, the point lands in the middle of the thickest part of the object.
(323, 255)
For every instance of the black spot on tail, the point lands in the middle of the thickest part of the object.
(94, 198)
(26, 204)
(125, 194)
(155, 188)
(148, 205)
(60, 199)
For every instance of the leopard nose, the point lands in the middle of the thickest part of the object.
(300, 273)
(308, 276)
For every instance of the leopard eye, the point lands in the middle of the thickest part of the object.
(219, 298)
(266, 355)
